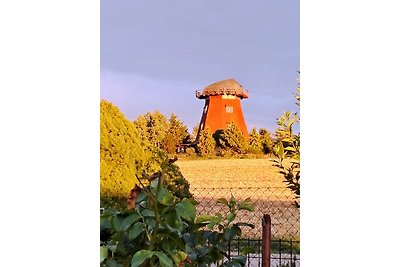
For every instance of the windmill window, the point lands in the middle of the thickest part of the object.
(229, 109)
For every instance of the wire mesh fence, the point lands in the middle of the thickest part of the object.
(275, 201)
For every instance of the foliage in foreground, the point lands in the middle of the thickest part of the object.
(163, 230)
(288, 147)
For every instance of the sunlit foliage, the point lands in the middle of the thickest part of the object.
(231, 139)
(206, 143)
(125, 154)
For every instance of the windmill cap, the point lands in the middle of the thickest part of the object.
(224, 87)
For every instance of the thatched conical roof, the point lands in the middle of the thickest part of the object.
(224, 87)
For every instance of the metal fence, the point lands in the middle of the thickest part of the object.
(275, 201)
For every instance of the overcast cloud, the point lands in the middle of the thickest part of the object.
(155, 54)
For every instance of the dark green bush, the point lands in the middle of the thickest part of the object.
(163, 230)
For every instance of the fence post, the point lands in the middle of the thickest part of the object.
(266, 241)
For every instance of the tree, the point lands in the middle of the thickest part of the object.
(162, 133)
(266, 140)
(255, 144)
(122, 152)
(288, 147)
(194, 132)
(153, 126)
(206, 143)
(231, 139)
(125, 154)
(177, 134)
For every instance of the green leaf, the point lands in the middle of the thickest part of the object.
(186, 210)
(136, 230)
(222, 201)
(289, 148)
(105, 222)
(178, 257)
(128, 221)
(190, 239)
(215, 220)
(140, 257)
(246, 204)
(167, 199)
(171, 219)
(117, 221)
(174, 258)
(148, 213)
(112, 263)
(154, 184)
(150, 222)
(230, 217)
(229, 234)
(141, 196)
(278, 148)
(232, 202)
(203, 218)
(112, 248)
(168, 245)
(182, 255)
(164, 260)
(103, 253)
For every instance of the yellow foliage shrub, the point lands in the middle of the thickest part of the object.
(122, 153)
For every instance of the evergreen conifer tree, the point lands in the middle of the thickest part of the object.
(206, 143)
(255, 145)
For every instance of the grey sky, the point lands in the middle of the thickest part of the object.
(155, 54)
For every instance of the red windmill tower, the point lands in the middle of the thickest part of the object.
(222, 106)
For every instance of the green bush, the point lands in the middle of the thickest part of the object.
(124, 154)
(266, 141)
(177, 133)
(160, 229)
(255, 144)
(206, 143)
(231, 139)
(152, 126)
(162, 133)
